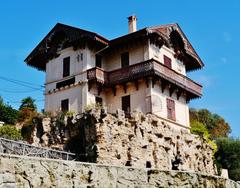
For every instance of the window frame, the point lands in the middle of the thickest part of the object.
(66, 66)
(125, 59)
(65, 102)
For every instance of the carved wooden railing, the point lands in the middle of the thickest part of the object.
(146, 68)
(19, 148)
(97, 74)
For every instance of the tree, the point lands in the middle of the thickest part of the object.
(228, 156)
(27, 110)
(28, 103)
(8, 114)
(215, 124)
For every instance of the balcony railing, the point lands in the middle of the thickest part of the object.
(143, 69)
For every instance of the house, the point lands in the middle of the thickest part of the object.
(144, 70)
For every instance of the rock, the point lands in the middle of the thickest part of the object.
(150, 140)
(20, 171)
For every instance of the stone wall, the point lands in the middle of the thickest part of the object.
(138, 141)
(24, 172)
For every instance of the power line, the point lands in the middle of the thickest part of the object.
(22, 83)
(15, 91)
(16, 102)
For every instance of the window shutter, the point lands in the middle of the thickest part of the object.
(167, 61)
(171, 109)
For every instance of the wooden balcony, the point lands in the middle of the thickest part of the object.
(145, 69)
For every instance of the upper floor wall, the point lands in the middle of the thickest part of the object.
(84, 59)
(140, 53)
(163, 53)
(79, 61)
(136, 54)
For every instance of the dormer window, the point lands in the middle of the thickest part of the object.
(66, 66)
(167, 61)
(125, 59)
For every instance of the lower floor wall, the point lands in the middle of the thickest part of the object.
(145, 98)
(24, 172)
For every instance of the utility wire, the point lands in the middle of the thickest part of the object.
(16, 102)
(13, 91)
(22, 83)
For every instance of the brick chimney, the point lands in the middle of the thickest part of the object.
(132, 24)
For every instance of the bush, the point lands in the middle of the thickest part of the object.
(200, 129)
(10, 132)
(228, 156)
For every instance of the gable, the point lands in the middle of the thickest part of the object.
(60, 37)
(181, 45)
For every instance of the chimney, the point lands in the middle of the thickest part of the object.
(132, 24)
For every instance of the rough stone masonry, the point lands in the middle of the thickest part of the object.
(142, 141)
(26, 172)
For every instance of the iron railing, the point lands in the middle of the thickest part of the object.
(19, 148)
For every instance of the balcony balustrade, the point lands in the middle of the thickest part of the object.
(142, 70)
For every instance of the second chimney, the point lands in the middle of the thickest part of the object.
(132, 24)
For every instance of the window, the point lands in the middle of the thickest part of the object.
(125, 59)
(171, 109)
(98, 100)
(126, 104)
(65, 83)
(167, 61)
(65, 105)
(66, 66)
(98, 61)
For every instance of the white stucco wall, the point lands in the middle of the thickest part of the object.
(78, 96)
(137, 54)
(53, 101)
(54, 68)
(159, 105)
(137, 97)
(158, 54)
(145, 99)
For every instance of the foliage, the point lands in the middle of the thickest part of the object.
(28, 103)
(215, 124)
(200, 129)
(92, 106)
(10, 132)
(228, 156)
(7, 113)
(27, 110)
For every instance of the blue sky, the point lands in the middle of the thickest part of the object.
(211, 26)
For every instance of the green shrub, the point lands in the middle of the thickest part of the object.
(199, 129)
(10, 132)
(228, 156)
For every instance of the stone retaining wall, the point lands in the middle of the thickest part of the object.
(137, 141)
(24, 172)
